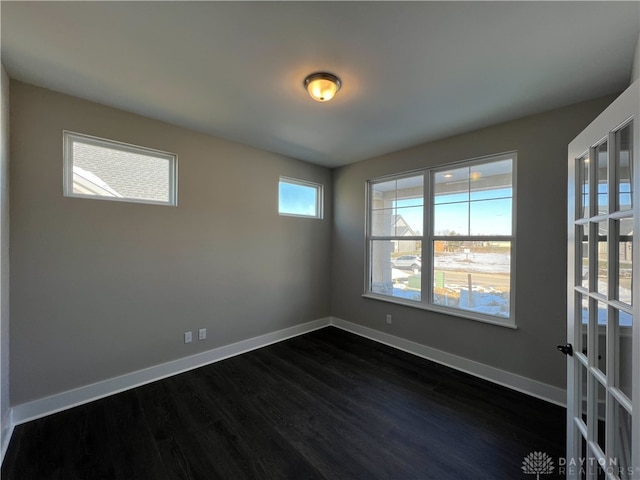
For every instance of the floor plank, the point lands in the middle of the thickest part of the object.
(325, 405)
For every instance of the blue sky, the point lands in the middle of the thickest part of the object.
(297, 199)
(490, 212)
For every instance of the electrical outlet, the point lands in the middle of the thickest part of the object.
(389, 319)
(202, 334)
(188, 338)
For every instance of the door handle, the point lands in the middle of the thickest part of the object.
(566, 349)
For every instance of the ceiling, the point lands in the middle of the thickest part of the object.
(411, 71)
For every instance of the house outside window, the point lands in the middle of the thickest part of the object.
(108, 170)
(443, 239)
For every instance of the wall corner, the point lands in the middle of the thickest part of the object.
(635, 69)
(6, 423)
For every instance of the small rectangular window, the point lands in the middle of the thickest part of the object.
(299, 198)
(109, 170)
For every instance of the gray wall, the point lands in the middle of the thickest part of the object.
(635, 69)
(4, 252)
(541, 142)
(102, 288)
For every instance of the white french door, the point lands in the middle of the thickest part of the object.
(603, 320)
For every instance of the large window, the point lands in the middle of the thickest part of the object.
(109, 170)
(443, 239)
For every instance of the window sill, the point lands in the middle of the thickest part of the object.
(445, 311)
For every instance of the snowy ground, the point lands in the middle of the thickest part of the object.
(484, 299)
(474, 262)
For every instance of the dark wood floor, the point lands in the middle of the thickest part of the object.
(327, 404)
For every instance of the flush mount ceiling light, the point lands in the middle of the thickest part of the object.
(322, 86)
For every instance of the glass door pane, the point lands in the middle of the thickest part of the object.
(582, 306)
(602, 257)
(602, 177)
(600, 411)
(582, 176)
(582, 247)
(624, 266)
(583, 412)
(600, 359)
(620, 463)
(624, 351)
(624, 167)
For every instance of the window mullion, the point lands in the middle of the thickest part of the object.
(427, 243)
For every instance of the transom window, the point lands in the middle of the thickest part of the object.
(299, 198)
(443, 239)
(109, 170)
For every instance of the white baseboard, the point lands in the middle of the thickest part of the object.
(48, 405)
(5, 434)
(55, 403)
(501, 377)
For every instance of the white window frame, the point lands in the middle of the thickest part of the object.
(427, 238)
(69, 138)
(319, 207)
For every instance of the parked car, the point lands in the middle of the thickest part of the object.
(412, 262)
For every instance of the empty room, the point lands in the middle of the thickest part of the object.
(319, 240)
